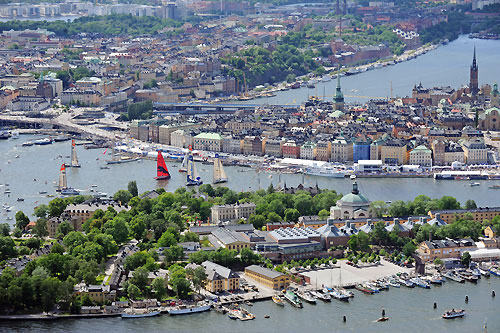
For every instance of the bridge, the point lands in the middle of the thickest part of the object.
(206, 108)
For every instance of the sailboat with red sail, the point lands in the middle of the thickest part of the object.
(161, 168)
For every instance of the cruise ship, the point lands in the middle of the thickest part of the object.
(326, 170)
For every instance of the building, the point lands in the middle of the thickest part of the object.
(208, 142)
(230, 239)
(394, 152)
(82, 212)
(268, 277)
(97, 293)
(443, 249)
(308, 151)
(342, 150)
(291, 150)
(495, 97)
(475, 151)
(352, 206)
(273, 147)
(473, 84)
(75, 95)
(478, 214)
(253, 145)
(323, 150)
(421, 155)
(232, 213)
(489, 120)
(339, 97)
(220, 278)
(361, 148)
(165, 131)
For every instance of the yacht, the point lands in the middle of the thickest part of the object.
(326, 170)
(451, 314)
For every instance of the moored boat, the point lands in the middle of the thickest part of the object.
(140, 315)
(182, 309)
(306, 296)
(291, 297)
(277, 300)
(364, 289)
(454, 277)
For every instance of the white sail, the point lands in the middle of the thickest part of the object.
(196, 175)
(184, 164)
(62, 179)
(190, 171)
(219, 173)
(74, 158)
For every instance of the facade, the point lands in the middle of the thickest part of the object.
(232, 213)
(82, 212)
(308, 151)
(441, 249)
(490, 120)
(231, 144)
(342, 150)
(208, 142)
(291, 149)
(421, 155)
(273, 147)
(394, 152)
(479, 214)
(352, 206)
(230, 239)
(323, 150)
(268, 277)
(83, 96)
(361, 149)
(220, 278)
(495, 97)
(253, 145)
(475, 151)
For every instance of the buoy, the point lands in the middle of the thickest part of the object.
(383, 312)
(345, 319)
(466, 299)
(492, 293)
(435, 305)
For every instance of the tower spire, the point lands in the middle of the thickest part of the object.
(474, 84)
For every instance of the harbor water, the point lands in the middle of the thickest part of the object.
(409, 310)
(36, 169)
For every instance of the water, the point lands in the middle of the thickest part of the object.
(42, 163)
(447, 65)
(416, 315)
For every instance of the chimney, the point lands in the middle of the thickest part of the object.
(430, 236)
(396, 221)
(329, 222)
(348, 224)
(438, 216)
(369, 222)
(424, 219)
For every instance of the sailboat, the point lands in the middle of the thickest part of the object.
(184, 164)
(193, 178)
(62, 179)
(161, 168)
(74, 158)
(219, 173)
(63, 185)
(120, 159)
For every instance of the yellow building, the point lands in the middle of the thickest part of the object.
(394, 152)
(478, 214)
(490, 232)
(96, 293)
(440, 249)
(220, 278)
(230, 239)
(268, 277)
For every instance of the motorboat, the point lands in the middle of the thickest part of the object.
(306, 296)
(293, 299)
(454, 313)
(183, 309)
(278, 300)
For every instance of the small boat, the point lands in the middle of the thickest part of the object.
(325, 297)
(291, 297)
(267, 316)
(69, 191)
(219, 173)
(454, 277)
(394, 283)
(483, 272)
(104, 167)
(495, 271)
(42, 192)
(494, 187)
(182, 309)
(140, 315)
(339, 295)
(383, 319)
(451, 314)
(364, 289)
(306, 296)
(475, 184)
(372, 287)
(420, 283)
(408, 283)
(232, 315)
(43, 142)
(161, 168)
(278, 300)
(27, 144)
(20, 199)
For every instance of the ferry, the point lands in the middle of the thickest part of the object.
(326, 170)
(182, 309)
(140, 315)
(70, 191)
(451, 314)
(277, 300)
(291, 297)
(494, 187)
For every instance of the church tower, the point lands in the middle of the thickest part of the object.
(473, 85)
(339, 97)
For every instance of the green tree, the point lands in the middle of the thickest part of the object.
(33, 243)
(57, 207)
(21, 220)
(159, 288)
(379, 234)
(173, 253)
(140, 278)
(63, 229)
(137, 226)
(178, 281)
(198, 277)
(4, 229)
(409, 249)
(258, 221)
(57, 248)
(470, 204)
(167, 239)
(324, 214)
(292, 215)
(40, 228)
(133, 291)
(132, 188)
(117, 228)
(466, 259)
(378, 208)
(122, 196)
(7, 248)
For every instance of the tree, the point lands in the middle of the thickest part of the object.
(140, 278)
(438, 262)
(48, 293)
(117, 228)
(379, 234)
(198, 277)
(378, 208)
(173, 253)
(122, 196)
(324, 214)
(398, 209)
(291, 215)
(135, 260)
(21, 220)
(63, 229)
(7, 248)
(248, 257)
(258, 221)
(73, 239)
(132, 188)
(167, 239)
(447, 202)
(57, 248)
(33, 243)
(409, 249)
(466, 259)
(178, 282)
(159, 288)
(137, 226)
(303, 203)
(4, 229)
(133, 291)
(57, 207)
(470, 204)
(40, 228)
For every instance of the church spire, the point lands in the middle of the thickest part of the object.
(474, 63)
(474, 84)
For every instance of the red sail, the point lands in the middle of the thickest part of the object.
(161, 168)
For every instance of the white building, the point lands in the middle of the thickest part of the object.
(421, 155)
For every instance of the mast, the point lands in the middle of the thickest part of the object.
(62, 179)
(74, 158)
